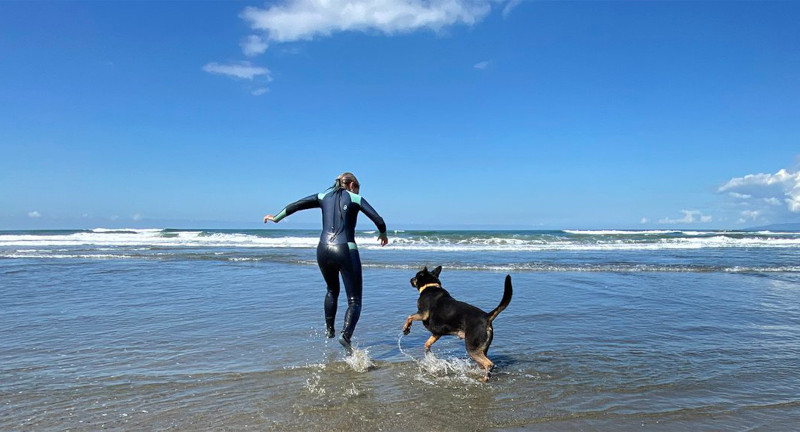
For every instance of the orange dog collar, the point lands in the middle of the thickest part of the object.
(429, 285)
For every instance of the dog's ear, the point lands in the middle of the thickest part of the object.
(436, 271)
(425, 269)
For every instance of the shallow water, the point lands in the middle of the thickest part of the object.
(182, 343)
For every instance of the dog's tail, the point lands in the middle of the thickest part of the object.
(504, 302)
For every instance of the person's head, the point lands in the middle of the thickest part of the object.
(348, 181)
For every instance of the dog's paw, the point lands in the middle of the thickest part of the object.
(406, 330)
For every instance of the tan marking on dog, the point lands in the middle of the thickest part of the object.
(431, 340)
(415, 317)
(483, 361)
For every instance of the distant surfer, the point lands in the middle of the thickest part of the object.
(337, 253)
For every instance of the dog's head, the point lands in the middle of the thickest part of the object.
(425, 277)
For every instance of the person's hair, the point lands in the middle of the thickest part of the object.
(344, 179)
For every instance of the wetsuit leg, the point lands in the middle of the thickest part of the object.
(351, 276)
(330, 272)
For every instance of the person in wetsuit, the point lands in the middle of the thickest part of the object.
(337, 252)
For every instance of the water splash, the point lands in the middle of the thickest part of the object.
(359, 360)
(313, 384)
(434, 370)
(352, 391)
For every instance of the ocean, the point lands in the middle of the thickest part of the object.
(165, 329)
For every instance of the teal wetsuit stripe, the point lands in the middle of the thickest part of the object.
(352, 246)
(355, 198)
(280, 215)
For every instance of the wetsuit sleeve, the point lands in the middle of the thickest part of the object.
(306, 203)
(373, 216)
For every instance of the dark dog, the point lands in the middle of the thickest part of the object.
(443, 315)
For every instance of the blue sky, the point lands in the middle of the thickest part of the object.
(461, 114)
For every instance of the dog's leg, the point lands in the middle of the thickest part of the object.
(411, 318)
(490, 336)
(431, 340)
(407, 325)
(483, 361)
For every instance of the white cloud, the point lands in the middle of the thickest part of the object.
(136, 217)
(781, 190)
(34, 214)
(511, 5)
(482, 65)
(243, 70)
(295, 20)
(750, 216)
(253, 45)
(644, 220)
(689, 216)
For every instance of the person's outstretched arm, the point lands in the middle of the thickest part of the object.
(308, 202)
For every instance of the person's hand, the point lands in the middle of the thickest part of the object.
(383, 239)
(268, 218)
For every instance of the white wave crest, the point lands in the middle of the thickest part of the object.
(154, 238)
(613, 244)
(620, 232)
(461, 242)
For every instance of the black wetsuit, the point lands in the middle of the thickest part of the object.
(337, 252)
